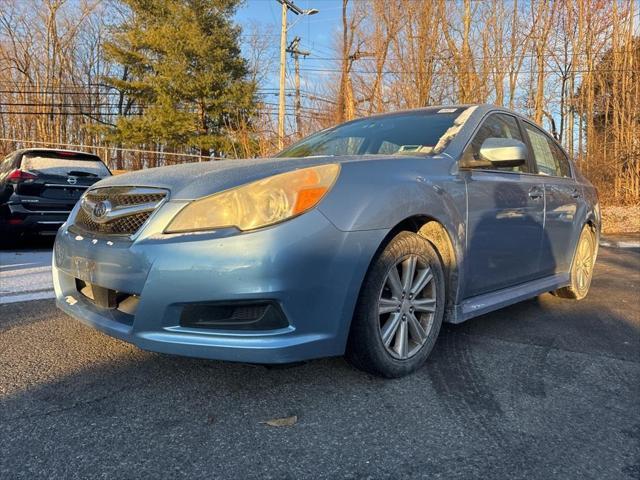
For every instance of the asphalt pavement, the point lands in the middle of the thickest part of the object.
(548, 388)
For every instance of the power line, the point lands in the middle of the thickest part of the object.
(304, 94)
(59, 105)
(70, 85)
(89, 106)
(53, 113)
(98, 147)
(432, 56)
(386, 72)
(55, 91)
(59, 90)
(309, 114)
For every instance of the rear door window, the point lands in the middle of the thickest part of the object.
(64, 166)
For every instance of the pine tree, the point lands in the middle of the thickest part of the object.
(181, 66)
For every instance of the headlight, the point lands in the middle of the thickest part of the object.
(258, 204)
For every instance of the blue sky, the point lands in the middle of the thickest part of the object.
(317, 32)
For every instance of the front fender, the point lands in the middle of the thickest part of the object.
(379, 195)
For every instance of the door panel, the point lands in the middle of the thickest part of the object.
(504, 230)
(562, 201)
(563, 204)
(505, 223)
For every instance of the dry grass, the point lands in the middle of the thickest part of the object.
(621, 219)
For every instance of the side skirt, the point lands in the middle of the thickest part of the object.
(488, 302)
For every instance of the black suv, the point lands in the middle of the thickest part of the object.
(39, 187)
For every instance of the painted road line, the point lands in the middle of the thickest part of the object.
(26, 297)
(25, 275)
(620, 243)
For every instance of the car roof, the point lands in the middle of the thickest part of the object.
(480, 109)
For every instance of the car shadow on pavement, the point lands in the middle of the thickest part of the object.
(27, 242)
(533, 390)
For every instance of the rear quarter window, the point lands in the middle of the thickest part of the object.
(561, 160)
(549, 158)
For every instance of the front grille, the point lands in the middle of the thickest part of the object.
(119, 198)
(121, 226)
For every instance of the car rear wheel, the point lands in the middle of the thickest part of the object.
(582, 266)
(400, 308)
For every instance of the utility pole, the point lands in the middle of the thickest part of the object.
(286, 5)
(283, 64)
(295, 52)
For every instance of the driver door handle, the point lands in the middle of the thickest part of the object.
(535, 193)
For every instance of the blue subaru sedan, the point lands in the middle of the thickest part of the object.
(358, 240)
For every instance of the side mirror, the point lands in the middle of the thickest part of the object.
(500, 152)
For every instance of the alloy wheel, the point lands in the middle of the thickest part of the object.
(584, 262)
(406, 307)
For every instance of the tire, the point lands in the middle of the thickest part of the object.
(422, 306)
(581, 272)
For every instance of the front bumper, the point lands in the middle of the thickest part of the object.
(312, 270)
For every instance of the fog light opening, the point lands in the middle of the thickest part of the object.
(252, 315)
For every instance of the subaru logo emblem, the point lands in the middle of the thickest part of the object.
(101, 210)
(72, 180)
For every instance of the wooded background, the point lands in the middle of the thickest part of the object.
(134, 80)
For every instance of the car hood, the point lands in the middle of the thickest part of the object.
(195, 180)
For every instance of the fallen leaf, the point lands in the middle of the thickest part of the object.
(282, 422)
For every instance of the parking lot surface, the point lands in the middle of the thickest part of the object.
(548, 388)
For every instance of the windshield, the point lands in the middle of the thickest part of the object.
(65, 166)
(424, 132)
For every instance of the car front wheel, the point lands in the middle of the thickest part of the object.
(400, 308)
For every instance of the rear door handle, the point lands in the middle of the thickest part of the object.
(535, 193)
(575, 193)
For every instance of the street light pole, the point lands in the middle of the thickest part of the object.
(286, 5)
